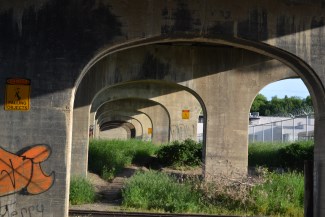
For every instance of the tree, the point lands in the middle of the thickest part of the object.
(259, 102)
(286, 106)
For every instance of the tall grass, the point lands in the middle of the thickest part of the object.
(158, 191)
(278, 195)
(281, 194)
(81, 191)
(108, 157)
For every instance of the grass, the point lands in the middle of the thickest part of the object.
(281, 194)
(108, 157)
(278, 195)
(81, 191)
(157, 191)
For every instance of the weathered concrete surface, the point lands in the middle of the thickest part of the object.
(54, 43)
(172, 96)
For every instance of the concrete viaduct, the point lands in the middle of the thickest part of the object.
(137, 64)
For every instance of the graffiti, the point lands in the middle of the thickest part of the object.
(22, 172)
(9, 210)
(182, 132)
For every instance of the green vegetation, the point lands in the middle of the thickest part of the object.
(108, 157)
(181, 154)
(268, 193)
(279, 195)
(283, 155)
(81, 191)
(158, 191)
(285, 106)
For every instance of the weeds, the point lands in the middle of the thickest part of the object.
(108, 157)
(81, 191)
(268, 194)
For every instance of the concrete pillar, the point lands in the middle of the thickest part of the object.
(319, 165)
(80, 141)
(228, 97)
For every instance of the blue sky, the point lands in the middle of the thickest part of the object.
(289, 87)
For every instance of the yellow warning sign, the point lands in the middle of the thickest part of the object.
(149, 131)
(186, 114)
(17, 95)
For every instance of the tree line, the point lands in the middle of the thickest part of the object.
(281, 107)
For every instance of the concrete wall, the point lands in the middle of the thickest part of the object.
(56, 44)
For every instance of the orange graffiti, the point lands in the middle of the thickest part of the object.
(23, 172)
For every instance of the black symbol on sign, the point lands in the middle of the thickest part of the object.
(17, 95)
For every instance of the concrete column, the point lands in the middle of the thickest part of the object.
(228, 97)
(319, 165)
(176, 102)
(80, 141)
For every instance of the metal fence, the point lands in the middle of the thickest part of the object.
(291, 129)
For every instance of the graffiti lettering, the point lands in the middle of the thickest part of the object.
(9, 211)
(12, 178)
(22, 172)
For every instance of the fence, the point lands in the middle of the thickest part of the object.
(290, 129)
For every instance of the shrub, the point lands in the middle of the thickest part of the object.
(108, 157)
(81, 191)
(265, 154)
(187, 153)
(295, 154)
(284, 155)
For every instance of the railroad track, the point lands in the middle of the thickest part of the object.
(82, 213)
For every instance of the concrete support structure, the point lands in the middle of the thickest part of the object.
(123, 116)
(221, 51)
(157, 113)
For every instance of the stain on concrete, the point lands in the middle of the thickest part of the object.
(181, 18)
(255, 27)
(152, 68)
(61, 33)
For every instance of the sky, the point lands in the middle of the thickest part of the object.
(289, 87)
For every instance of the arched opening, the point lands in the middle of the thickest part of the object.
(285, 58)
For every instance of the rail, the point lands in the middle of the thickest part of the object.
(81, 213)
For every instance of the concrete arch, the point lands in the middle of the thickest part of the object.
(135, 122)
(157, 113)
(173, 96)
(108, 126)
(143, 120)
(293, 62)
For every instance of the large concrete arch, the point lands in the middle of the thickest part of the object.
(173, 96)
(222, 165)
(52, 49)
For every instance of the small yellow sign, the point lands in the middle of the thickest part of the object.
(149, 131)
(186, 114)
(17, 95)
